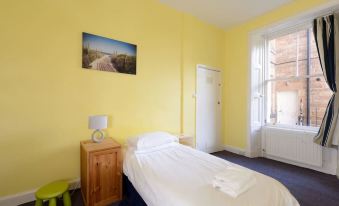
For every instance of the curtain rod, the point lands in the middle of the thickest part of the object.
(298, 20)
(332, 12)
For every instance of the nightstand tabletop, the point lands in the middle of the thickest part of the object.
(107, 143)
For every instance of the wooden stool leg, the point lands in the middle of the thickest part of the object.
(52, 202)
(67, 199)
(38, 202)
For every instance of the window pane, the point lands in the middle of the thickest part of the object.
(320, 94)
(315, 67)
(288, 55)
(298, 102)
(294, 98)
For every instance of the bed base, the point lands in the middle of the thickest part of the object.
(130, 196)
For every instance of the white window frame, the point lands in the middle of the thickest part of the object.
(267, 80)
(286, 25)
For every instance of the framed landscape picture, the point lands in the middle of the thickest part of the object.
(104, 54)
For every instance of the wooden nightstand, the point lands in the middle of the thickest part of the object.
(101, 172)
(186, 140)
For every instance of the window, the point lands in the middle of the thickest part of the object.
(297, 93)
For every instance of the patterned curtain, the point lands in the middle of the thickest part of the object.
(327, 39)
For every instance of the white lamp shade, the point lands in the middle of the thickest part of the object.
(97, 122)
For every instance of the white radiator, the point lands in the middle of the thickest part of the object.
(292, 144)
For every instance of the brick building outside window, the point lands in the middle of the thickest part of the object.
(297, 93)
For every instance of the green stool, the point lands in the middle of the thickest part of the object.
(51, 191)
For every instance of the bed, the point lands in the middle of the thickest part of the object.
(172, 174)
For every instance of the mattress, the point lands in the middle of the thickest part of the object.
(177, 175)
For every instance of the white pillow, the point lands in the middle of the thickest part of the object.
(132, 141)
(150, 140)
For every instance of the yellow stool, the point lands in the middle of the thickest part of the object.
(51, 191)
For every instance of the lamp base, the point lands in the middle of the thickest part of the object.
(97, 136)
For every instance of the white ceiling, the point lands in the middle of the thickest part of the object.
(225, 13)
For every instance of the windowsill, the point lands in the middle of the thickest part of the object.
(293, 127)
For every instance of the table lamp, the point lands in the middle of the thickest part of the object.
(97, 122)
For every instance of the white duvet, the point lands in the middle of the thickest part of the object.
(176, 175)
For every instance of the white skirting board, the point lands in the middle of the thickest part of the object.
(28, 196)
(235, 150)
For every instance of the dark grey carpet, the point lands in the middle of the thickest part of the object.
(310, 188)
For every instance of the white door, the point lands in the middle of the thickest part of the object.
(287, 107)
(208, 109)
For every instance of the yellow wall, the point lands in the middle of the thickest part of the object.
(203, 44)
(46, 97)
(237, 67)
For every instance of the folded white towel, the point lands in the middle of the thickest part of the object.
(234, 181)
